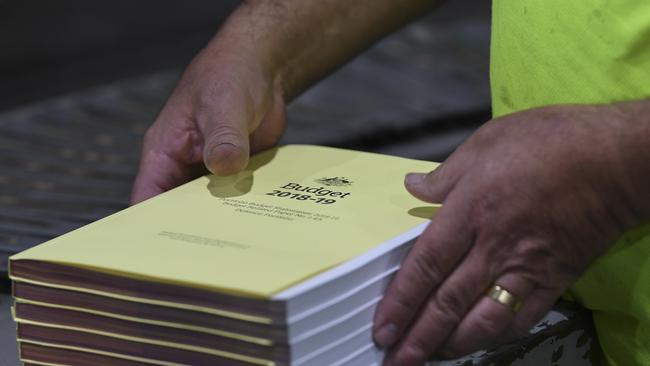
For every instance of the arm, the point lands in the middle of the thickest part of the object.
(299, 42)
(231, 99)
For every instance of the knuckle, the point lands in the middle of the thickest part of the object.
(415, 350)
(445, 172)
(488, 326)
(402, 298)
(427, 268)
(544, 269)
(436, 174)
(212, 90)
(151, 135)
(449, 305)
(224, 133)
(484, 206)
(203, 101)
(157, 157)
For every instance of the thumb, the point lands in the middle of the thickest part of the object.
(432, 187)
(226, 150)
(226, 140)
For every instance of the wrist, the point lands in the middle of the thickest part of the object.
(245, 43)
(298, 42)
(228, 69)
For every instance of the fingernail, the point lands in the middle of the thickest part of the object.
(386, 336)
(413, 179)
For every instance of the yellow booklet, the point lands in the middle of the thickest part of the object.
(295, 212)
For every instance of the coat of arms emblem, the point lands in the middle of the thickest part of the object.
(334, 182)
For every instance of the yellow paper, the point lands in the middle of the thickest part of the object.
(293, 213)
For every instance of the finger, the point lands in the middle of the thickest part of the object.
(488, 321)
(442, 312)
(226, 149)
(160, 175)
(433, 256)
(168, 159)
(226, 127)
(537, 305)
(434, 186)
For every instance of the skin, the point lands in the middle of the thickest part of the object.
(530, 200)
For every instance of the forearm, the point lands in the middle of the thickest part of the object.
(298, 42)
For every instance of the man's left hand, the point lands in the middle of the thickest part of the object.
(530, 201)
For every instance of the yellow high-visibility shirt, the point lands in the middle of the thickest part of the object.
(548, 52)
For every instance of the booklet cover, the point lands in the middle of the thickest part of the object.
(295, 212)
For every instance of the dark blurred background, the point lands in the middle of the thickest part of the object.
(49, 48)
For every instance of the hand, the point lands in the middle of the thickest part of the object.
(231, 100)
(530, 200)
(224, 108)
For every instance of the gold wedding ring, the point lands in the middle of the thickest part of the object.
(505, 297)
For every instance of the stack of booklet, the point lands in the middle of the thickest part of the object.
(281, 264)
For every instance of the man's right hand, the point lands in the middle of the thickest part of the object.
(231, 100)
(223, 109)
